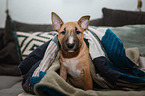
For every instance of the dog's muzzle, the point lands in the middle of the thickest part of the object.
(71, 44)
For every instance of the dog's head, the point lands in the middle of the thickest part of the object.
(70, 34)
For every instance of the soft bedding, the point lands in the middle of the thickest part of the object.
(114, 69)
(130, 35)
(10, 85)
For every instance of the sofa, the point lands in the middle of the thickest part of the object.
(16, 44)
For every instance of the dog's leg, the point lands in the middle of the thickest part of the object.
(63, 72)
(88, 83)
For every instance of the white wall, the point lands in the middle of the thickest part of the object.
(39, 11)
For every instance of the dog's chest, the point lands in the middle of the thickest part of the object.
(73, 68)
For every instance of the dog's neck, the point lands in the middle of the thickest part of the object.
(66, 54)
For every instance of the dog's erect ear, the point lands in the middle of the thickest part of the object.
(56, 21)
(84, 22)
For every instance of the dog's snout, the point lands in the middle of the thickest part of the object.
(70, 42)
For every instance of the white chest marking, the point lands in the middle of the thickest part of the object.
(71, 65)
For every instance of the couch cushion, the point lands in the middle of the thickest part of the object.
(120, 17)
(25, 31)
(9, 81)
(9, 58)
(10, 85)
(97, 22)
(32, 27)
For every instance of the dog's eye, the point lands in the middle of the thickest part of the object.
(63, 32)
(78, 32)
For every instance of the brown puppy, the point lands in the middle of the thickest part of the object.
(74, 54)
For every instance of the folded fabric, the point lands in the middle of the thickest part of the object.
(110, 67)
(133, 54)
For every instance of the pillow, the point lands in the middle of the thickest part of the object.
(97, 22)
(9, 59)
(29, 28)
(32, 27)
(120, 17)
(30, 41)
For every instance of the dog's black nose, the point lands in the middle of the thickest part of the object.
(70, 45)
(70, 42)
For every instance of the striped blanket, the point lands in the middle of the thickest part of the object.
(109, 67)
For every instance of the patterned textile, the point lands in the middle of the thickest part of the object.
(30, 41)
(108, 57)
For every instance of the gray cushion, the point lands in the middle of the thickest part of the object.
(19, 26)
(122, 17)
(9, 81)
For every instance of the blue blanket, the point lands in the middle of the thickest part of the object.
(107, 55)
